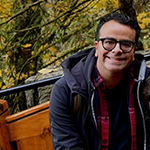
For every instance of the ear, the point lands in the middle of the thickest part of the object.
(133, 58)
(134, 52)
(96, 52)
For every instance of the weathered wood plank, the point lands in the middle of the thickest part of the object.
(27, 112)
(4, 136)
(34, 125)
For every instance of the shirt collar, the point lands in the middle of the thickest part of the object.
(99, 82)
(97, 79)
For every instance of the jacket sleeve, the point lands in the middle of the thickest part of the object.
(62, 122)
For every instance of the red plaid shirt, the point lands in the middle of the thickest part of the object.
(102, 113)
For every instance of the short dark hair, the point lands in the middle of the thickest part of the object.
(120, 18)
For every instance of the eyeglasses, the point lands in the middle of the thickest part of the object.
(110, 43)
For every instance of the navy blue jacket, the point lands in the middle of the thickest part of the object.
(78, 131)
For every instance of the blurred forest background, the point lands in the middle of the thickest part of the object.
(38, 33)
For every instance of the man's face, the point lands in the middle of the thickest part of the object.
(116, 60)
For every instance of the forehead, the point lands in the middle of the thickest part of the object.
(117, 30)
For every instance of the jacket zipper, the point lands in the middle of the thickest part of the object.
(93, 112)
(92, 109)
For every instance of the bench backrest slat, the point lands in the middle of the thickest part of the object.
(27, 130)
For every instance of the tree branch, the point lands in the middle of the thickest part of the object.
(24, 10)
(126, 7)
(73, 50)
(49, 22)
(9, 41)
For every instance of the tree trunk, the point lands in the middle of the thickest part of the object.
(126, 7)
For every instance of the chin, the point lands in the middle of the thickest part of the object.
(116, 69)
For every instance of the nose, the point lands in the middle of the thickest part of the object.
(117, 48)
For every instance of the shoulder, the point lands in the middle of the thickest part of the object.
(59, 97)
(60, 87)
(139, 66)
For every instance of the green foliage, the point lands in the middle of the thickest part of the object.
(144, 21)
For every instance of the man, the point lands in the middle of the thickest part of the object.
(109, 78)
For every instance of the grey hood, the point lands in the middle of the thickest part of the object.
(77, 70)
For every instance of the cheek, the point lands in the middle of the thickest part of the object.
(130, 58)
(99, 51)
(133, 52)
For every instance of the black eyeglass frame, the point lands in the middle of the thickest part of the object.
(133, 44)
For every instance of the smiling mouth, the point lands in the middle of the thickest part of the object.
(115, 58)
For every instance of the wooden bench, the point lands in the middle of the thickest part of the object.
(26, 130)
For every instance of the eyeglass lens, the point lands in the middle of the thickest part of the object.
(109, 44)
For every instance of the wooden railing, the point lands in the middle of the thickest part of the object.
(26, 130)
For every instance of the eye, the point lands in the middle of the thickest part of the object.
(109, 42)
(126, 44)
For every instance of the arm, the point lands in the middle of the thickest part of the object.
(63, 125)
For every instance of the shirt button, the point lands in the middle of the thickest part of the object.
(104, 141)
(106, 118)
(104, 98)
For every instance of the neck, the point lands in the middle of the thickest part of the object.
(112, 79)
